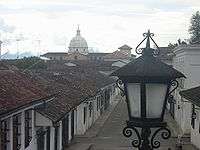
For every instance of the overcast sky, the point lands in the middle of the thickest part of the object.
(48, 25)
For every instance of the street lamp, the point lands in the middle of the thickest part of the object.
(147, 85)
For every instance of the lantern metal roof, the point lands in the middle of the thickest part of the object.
(147, 66)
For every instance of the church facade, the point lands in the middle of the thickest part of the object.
(78, 50)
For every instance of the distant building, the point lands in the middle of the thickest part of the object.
(78, 50)
(78, 44)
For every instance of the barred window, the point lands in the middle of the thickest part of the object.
(193, 116)
(84, 113)
(5, 136)
(98, 102)
(28, 127)
(17, 132)
(90, 108)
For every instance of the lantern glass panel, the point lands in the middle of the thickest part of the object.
(133, 91)
(155, 97)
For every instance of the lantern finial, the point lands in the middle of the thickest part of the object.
(147, 50)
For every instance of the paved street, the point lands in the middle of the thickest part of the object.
(109, 135)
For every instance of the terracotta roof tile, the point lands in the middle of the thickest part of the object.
(116, 55)
(125, 47)
(75, 85)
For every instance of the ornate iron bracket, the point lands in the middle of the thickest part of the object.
(128, 132)
(144, 140)
(119, 84)
(165, 134)
(175, 84)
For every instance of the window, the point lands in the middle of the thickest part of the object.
(193, 116)
(84, 113)
(17, 132)
(28, 127)
(90, 108)
(98, 102)
(5, 136)
(48, 138)
(75, 57)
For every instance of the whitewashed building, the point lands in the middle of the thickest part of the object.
(186, 60)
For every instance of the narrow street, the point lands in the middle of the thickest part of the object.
(110, 137)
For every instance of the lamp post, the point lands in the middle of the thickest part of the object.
(147, 85)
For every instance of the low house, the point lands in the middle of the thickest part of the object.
(123, 53)
(193, 96)
(56, 55)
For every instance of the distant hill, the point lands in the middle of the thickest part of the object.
(15, 55)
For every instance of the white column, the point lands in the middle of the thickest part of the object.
(52, 135)
(34, 139)
(45, 141)
(69, 125)
(60, 136)
(75, 121)
(23, 130)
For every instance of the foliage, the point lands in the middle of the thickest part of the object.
(29, 63)
(172, 45)
(194, 29)
(179, 42)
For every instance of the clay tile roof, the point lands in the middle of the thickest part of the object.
(125, 47)
(97, 54)
(148, 67)
(75, 85)
(55, 54)
(192, 95)
(116, 55)
(18, 89)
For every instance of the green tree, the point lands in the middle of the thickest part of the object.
(194, 29)
(28, 63)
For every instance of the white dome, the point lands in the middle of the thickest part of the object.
(78, 44)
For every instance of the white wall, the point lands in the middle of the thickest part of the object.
(81, 127)
(40, 120)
